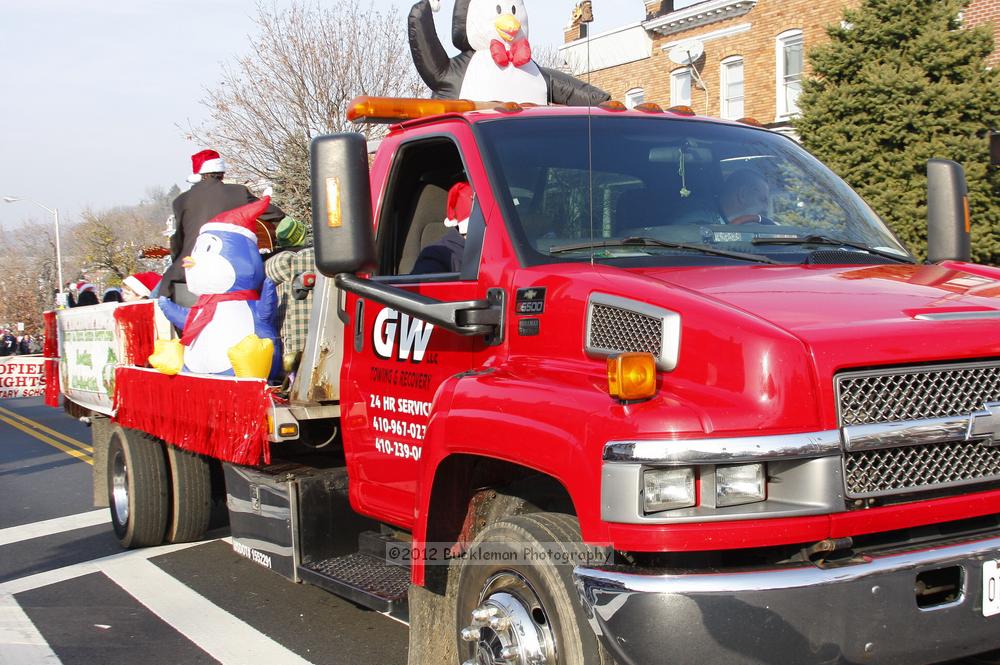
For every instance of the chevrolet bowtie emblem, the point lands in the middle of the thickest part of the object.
(985, 425)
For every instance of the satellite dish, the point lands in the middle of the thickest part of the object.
(687, 52)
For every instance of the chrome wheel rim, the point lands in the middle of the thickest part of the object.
(510, 626)
(119, 487)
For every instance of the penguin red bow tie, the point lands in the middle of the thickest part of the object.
(519, 54)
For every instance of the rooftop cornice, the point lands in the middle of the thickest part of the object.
(698, 15)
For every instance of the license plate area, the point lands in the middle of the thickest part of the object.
(991, 588)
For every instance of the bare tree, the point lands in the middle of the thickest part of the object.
(110, 242)
(29, 278)
(306, 65)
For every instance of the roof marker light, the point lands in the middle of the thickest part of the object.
(509, 107)
(649, 107)
(753, 122)
(681, 110)
(613, 105)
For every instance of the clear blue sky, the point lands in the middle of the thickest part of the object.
(94, 90)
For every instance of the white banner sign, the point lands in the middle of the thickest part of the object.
(88, 355)
(22, 376)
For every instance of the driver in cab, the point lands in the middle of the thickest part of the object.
(746, 198)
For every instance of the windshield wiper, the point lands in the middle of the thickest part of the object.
(643, 241)
(826, 240)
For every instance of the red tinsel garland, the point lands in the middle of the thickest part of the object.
(136, 329)
(220, 417)
(52, 382)
(50, 350)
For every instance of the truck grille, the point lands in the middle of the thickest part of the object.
(869, 398)
(917, 393)
(618, 329)
(898, 470)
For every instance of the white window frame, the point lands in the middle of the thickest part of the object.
(634, 97)
(725, 67)
(675, 78)
(785, 110)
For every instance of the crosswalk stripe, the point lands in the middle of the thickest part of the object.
(214, 630)
(50, 577)
(72, 452)
(17, 534)
(48, 430)
(20, 641)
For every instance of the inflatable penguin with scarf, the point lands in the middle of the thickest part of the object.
(495, 61)
(231, 329)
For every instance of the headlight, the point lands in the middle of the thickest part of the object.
(668, 489)
(737, 485)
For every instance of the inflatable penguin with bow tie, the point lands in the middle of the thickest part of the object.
(495, 61)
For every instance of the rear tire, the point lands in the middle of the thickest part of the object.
(190, 496)
(539, 616)
(137, 488)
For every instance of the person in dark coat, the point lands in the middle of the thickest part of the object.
(445, 256)
(24, 346)
(8, 344)
(209, 197)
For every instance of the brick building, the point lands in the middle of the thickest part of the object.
(985, 12)
(753, 61)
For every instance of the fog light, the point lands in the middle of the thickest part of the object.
(668, 489)
(737, 485)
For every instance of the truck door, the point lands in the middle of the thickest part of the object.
(396, 363)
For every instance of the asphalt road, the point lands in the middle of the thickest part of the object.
(69, 594)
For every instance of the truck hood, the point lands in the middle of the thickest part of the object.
(857, 316)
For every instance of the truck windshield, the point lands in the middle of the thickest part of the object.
(655, 190)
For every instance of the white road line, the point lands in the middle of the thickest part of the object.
(214, 630)
(20, 641)
(51, 577)
(16, 534)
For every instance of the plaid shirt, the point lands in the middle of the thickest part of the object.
(294, 314)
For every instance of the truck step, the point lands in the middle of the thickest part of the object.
(364, 579)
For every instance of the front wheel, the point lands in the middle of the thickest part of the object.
(137, 488)
(517, 603)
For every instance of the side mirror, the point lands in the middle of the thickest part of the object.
(995, 150)
(342, 204)
(948, 224)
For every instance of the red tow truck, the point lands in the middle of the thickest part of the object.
(657, 416)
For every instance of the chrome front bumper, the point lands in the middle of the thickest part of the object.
(864, 613)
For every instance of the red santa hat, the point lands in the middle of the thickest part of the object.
(83, 287)
(142, 283)
(242, 220)
(459, 207)
(206, 161)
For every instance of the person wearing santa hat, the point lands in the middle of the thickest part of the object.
(87, 295)
(206, 199)
(445, 256)
(139, 286)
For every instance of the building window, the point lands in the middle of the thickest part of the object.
(680, 88)
(791, 60)
(732, 88)
(634, 97)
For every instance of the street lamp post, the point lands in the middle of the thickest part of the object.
(55, 215)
